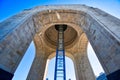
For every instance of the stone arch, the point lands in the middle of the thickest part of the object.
(52, 55)
(67, 54)
(96, 24)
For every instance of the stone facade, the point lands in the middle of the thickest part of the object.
(37, 24)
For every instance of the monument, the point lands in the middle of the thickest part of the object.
(37, 24)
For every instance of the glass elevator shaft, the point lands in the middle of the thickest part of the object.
(60, 72)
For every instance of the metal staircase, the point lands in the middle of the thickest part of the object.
(60, 72)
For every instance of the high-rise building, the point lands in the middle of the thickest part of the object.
(102, 76)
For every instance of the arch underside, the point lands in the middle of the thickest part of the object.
(77, 48)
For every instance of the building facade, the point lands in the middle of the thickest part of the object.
(102, 76)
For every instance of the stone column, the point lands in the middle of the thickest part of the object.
(38, 67)
(16, 34)
(82, 67)
(103, 32)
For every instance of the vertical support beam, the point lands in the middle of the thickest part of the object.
(38, 67)
(16, 34)
(83, 67)
(103, 34)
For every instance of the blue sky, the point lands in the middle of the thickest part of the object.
(24, 67)
(70, 73)
(11, 7)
